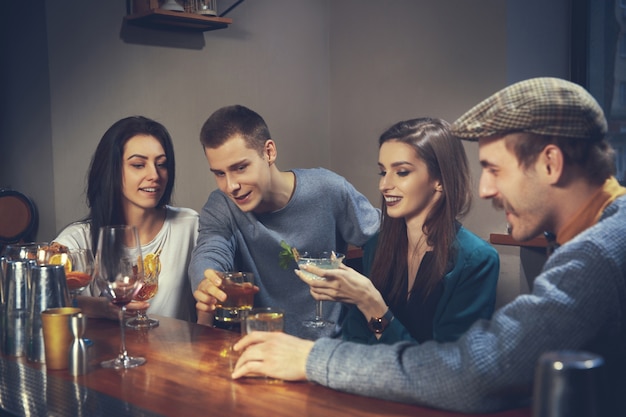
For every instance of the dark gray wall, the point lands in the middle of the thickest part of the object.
(327, 75)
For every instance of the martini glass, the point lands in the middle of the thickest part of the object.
(324, 260)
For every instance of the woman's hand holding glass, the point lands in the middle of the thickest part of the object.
(322, 260)
(345, 285)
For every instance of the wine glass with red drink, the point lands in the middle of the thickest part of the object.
(119, 273)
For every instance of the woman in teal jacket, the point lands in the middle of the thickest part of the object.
(430, 277)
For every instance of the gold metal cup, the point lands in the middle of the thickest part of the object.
(57, 335)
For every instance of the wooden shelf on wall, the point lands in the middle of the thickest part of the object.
(502, 239)
(166, 19)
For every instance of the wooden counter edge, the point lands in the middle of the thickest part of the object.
(502, 239)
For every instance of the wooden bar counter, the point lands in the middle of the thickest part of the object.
(187, 373)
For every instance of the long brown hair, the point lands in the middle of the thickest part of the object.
(105, 178)
(445, 158)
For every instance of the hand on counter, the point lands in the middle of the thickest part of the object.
(274, 354)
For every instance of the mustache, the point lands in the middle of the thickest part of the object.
(497, 203)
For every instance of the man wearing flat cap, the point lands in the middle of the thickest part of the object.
(546, 162)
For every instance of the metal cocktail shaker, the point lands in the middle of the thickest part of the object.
(48, 289)
(3, 271)
(16, 282)
(569, 384)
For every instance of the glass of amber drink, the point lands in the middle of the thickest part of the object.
(151, 269)
(264, 319)
(239, 289)
(79, 267)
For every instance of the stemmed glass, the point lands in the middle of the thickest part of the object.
(151, 269)
(78, 271)
(119, 273)
(324, 260)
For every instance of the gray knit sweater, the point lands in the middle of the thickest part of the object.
(578, 302)
(325, 213)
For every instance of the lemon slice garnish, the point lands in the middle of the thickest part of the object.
(61, 259)
(152, 265)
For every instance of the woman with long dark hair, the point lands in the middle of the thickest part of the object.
(430, 277)
(130, 181)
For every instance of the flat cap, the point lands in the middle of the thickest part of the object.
(545, 106)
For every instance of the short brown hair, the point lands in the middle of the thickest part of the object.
(596, 158)
(229, 121)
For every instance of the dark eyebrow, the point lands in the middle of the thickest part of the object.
(397, 164)
(231, 167)
(136, 155)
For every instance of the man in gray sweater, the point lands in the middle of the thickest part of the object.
(256, 207)
(546, 162)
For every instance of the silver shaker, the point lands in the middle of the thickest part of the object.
(3, 270)
(78, 350)
(16, 284)
(48, 289)
(569, 384)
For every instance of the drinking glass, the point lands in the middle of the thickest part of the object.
(324, 260)
(264, 319)
(239, 289)
(26, 251)
(151, 271)
(119, 273)
(79, 268)
(261, 319)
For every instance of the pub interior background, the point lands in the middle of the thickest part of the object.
(328, 76)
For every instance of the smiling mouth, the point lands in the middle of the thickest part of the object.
(149, 190)
(392, 200)
(241, 198)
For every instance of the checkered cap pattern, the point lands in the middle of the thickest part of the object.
(545, 106)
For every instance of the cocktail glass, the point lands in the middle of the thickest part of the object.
(79, 269)
(151, 269)
(324, 260)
